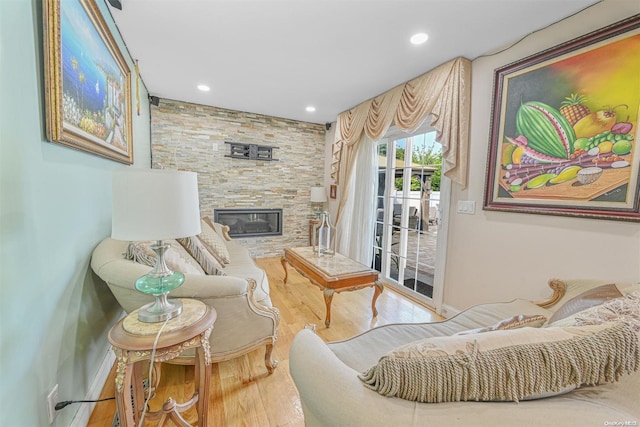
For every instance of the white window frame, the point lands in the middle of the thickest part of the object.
(436, 301)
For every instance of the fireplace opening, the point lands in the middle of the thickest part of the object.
(250, 222)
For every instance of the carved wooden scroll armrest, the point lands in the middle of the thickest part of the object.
(225, 232)
(256, 307)
(559, 288)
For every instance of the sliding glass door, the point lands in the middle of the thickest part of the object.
(407, 211)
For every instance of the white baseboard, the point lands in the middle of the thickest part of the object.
(81, 418)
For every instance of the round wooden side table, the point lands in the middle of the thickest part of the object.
(132, 343)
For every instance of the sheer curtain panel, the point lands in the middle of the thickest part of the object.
(355, 226)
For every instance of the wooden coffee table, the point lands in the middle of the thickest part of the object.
(332, 274)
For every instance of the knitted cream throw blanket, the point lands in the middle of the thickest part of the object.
(510, 372)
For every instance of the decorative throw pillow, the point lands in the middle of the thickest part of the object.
(590, 298)
(625, 310)
(512, 365)
(214, 243)
(200, 253)
(176, 257)
(514, 322)
(221, 229)
(208, 233)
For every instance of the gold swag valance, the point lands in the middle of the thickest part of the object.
(441, 95)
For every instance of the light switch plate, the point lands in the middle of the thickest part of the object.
(467, 207)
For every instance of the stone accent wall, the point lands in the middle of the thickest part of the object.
(192, 137)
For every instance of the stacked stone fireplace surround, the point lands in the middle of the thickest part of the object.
(192, 137)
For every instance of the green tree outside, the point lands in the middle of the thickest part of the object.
(423, 157)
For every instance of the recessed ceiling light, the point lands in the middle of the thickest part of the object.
(204, 88)
(419, 38)
(310, 109)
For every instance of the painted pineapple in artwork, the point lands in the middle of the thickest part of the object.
(573, 108)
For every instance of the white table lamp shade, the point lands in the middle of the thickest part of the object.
(151, 204)
(318, 195)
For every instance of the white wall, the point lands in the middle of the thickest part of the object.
(499, 256)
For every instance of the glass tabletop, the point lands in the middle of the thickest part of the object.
(335, 265)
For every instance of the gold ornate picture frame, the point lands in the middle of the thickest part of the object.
(87, 82)
(565, 129)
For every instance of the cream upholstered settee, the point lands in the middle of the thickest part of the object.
(332, 393)
(246, 319)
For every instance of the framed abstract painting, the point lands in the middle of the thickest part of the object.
(564, 132)
(87, 82)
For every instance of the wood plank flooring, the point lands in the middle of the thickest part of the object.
(242, 394)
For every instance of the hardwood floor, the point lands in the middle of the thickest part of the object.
(242, 394)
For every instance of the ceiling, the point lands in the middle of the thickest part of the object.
(276, 57)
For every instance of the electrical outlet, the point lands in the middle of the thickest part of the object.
(52, 399)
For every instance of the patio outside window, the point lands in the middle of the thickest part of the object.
(406, 211)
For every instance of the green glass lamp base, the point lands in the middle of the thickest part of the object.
(162, 308)
(156, 285)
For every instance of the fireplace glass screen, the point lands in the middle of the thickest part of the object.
(250, 222)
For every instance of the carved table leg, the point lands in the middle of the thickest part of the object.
(379, 287)
(283, 261)
(203, 376)
(328, 297)
(138, 390)
(123, 382)
(123, 389)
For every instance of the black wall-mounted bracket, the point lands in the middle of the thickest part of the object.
(251, 151)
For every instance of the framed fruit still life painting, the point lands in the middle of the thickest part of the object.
(565, 129)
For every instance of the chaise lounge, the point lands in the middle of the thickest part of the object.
(340, 383)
